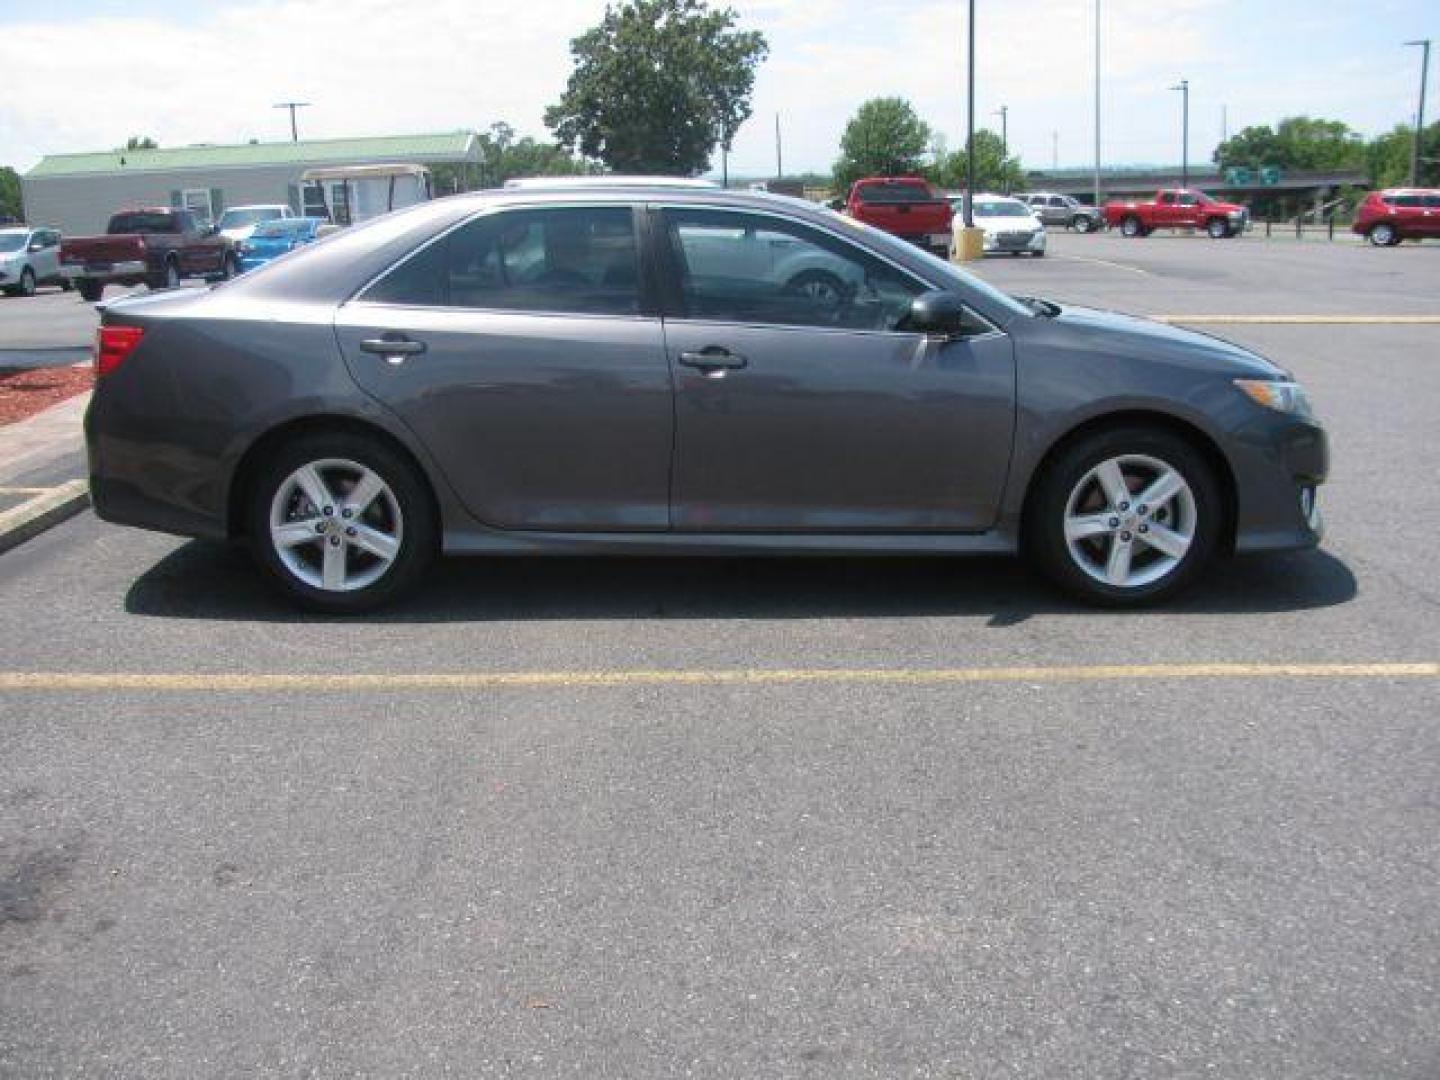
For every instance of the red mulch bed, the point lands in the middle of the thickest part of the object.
(25, 393)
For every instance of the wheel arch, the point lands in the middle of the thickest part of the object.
(1195, 436)
(243, 476)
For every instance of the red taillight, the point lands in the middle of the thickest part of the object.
(113, 344)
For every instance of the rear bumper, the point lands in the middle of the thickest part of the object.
(126, 269)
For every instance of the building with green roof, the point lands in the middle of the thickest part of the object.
(77, 193)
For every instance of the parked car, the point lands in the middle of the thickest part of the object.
(585, 370)
(1008, 225)
(904, 206)
(1395, 214)
(158, 246)
(1063, 210)
(29, 258)
(238, 222)
(271, 239)
(1177, 208)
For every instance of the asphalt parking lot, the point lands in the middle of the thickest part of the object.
(761, 818)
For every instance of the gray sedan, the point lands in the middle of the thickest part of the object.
(659, 369)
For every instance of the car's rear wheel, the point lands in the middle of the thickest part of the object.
(1125, 517)
(91, 290)
(341, 522)
(27, 282)
(1383, 234)
(1130, 226)
(1081, 223)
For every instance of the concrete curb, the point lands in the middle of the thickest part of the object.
(48, 508)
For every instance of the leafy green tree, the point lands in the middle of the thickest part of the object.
(994, 171)
(9, 193)
(885, 137)
(506, 156)
(141, 142)
(657, 86)
(1388, 157)
(1297, 142)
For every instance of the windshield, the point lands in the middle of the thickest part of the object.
(12, 241)
(144, 221)
(1001, 208)
(284, 227)
(900, 192)
(248, 215)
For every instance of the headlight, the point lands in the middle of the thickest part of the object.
(1278, 394)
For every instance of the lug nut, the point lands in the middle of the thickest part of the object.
(347, 513)
(320, 528)
(1125, 538)
(1142, 509)
(1144, 528)
(334, 541)
(329, 511)
(1114, 523)
(1123, 506)
(350, 531)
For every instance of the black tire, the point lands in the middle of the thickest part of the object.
(66, 284)
(1130, 226)
(419, 534)
(1038, 254)
(1383, 235)
(1218, 228)
(27, 282)
(231, 268)
(1082, 223)
(91, 290)
(1044, 529)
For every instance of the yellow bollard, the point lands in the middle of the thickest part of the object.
(969, 245)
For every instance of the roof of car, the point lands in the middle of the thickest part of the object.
(607, 181)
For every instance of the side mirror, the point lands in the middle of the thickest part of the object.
(940, 314)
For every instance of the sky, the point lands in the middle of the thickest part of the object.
(85, 74)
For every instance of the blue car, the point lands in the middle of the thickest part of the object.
(271, 239)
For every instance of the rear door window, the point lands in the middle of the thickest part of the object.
(579, 260)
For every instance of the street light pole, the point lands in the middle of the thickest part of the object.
(1184, 89)
(1003, 112)
(1419, 112)
(970, 129)
(1097, 103)
(292, 106)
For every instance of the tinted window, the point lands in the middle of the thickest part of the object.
(1432, 200)
(1406, 200)
(234, 219)
(571, 260)
(912, 192)
(749, 268)
(1188, 200)
(12, 241)
(1056, 200)
(143, 222)
(1001, 208)
(1167, 199)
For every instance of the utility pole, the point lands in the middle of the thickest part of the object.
(1419, 111)
(292, 106)
(1184, 89)
(1003, 112)
(970, 130)
(1097, 102)
(1054, 150)
(1224, 123)
(779, 161)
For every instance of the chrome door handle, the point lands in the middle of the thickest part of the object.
(393, 347)
(713, 360)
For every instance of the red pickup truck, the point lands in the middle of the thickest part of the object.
(905, 206)
(1177, 208)
(158, 246)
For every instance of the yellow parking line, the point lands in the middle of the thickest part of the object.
(499, 680)
(1303, 320)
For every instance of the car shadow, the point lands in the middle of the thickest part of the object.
(202, 580)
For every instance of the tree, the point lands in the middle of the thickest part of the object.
(9, 193)
(994, 171)
(1297, 142)
(1388, 157)
(141, 142)
(504, 156)
(657, 86)
(885, 137)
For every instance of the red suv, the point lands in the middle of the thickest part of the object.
(1387, 217)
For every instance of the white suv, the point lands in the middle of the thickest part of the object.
(29, 257)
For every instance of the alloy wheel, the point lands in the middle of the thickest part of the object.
(336, 525)
(1130, 521)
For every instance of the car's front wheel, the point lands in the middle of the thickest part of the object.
(1082, 223)
(1383, 234)
(90, 289)
(1125, 517)
(341, 522)
(1218, 228)
(1131, 227)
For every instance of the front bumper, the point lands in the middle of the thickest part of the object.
(1015, 240)
(1279, 463)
